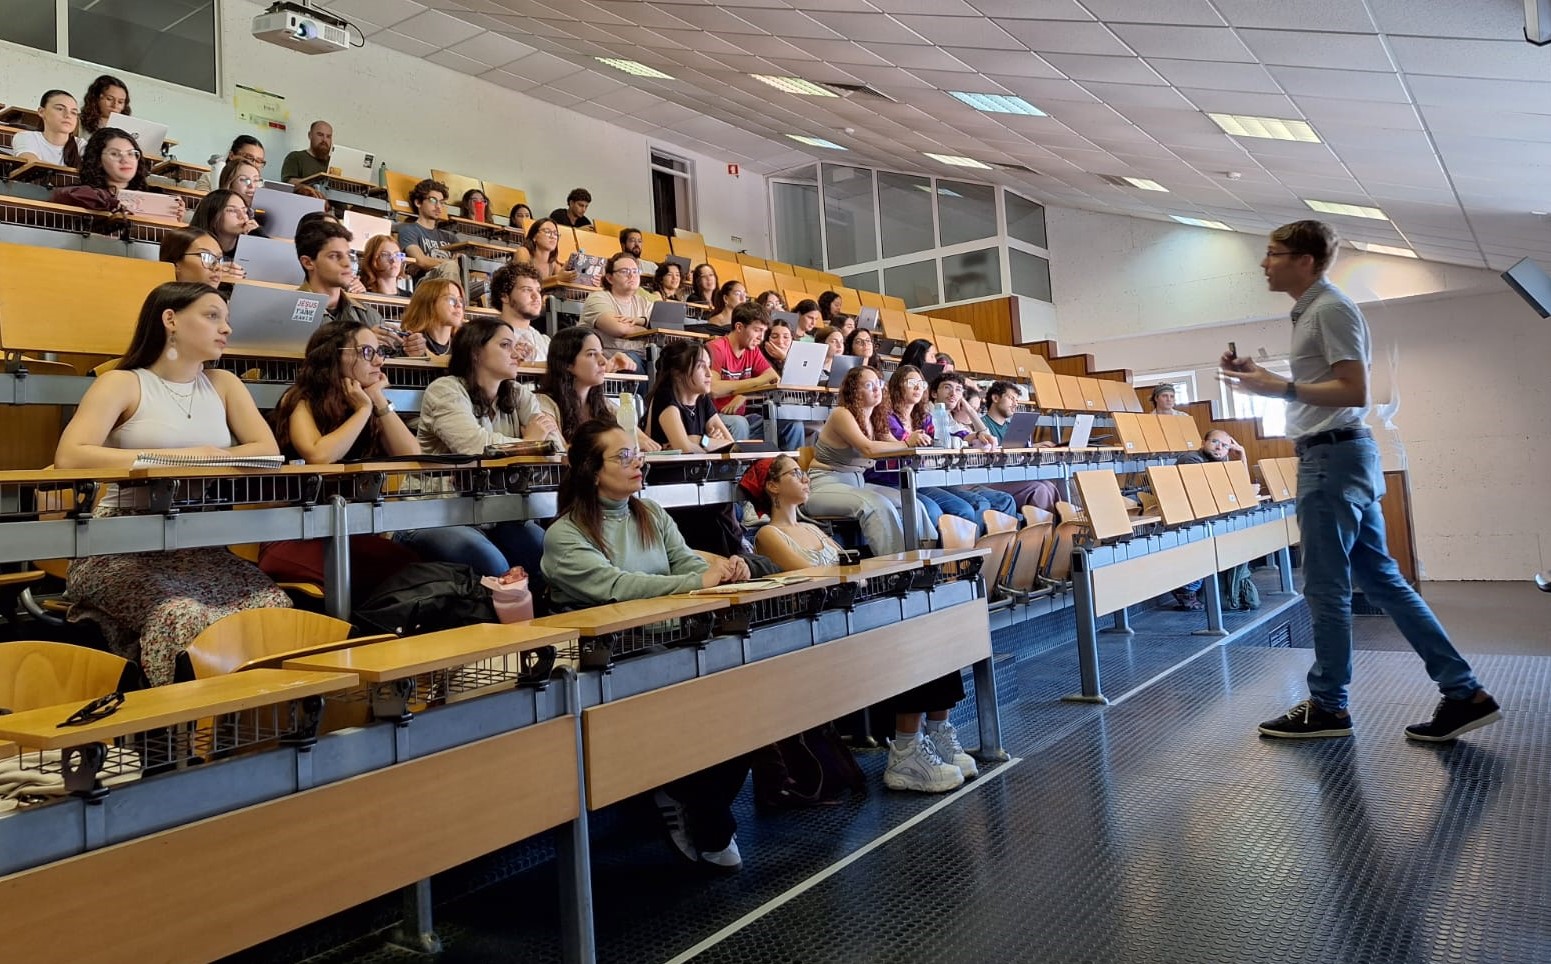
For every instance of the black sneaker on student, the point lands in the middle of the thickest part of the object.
(1454, 717)
(1307, 721)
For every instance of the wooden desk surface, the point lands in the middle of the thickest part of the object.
(167, 705)
(863, 571)
(760, 595)
(348, 183)
(218, 471)
(482, 246)
(938, 557)
(669, 333)
(613, 617)
(395, 659)
(61, 476)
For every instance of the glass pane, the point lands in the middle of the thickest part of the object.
(965, 212)
(1025, 221)
(865, 281)
(1030, 275)
(797, 223)
(849, 228)
(29, 23)
(974, 274)
(171, 40)
(905, 207)
(916, 283)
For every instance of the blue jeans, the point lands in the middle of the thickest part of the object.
(488, 550)
(1339, 488)
(790, 434)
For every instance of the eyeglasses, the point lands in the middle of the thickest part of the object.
(1282, 254)
(248, 181)
(368, 352)
(627, 457)
(914, 383)
(98, 709)
(798, 474)
(394, 256)
(550, 232)
(436, 201)
(873, 386)
(454, 300)
(207, 258)
(119, 155)
(627, 272)
(257, 162)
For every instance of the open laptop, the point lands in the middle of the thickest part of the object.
(363, 226)
(790, 317)
(682, 262)
(272, 321)
(930, 371)
(354, 164)
(804, 364)
(1020, 430)
(1082, 427)
(668, 315)
(868, 318)
(267, 259)
(149, 135)
(281, 211)
(839, 367)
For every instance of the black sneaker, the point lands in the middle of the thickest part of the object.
(1307, 721)
(1455, 717)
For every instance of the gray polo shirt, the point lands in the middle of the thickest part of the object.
(1327, 328)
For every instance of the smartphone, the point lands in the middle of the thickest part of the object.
(1233, 350)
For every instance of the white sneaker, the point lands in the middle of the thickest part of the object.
(727, 858)
(946, 742)
(918, 767)
(676, 820)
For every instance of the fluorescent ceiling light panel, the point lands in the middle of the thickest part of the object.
(633, 68)
(1384, 249)
(1274, 128)
(795, 85)
(1200, 223)
(957, 161)
(1350, 210)
(1145, 184)
(998, 103)
(815, 142)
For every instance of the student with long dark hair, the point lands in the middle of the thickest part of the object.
(105, 97)
(110, 164)
(610, 545)
(225, 216)
(194, 256)
(571, 391)
(702, 285)
(162, 400)
(55, 143)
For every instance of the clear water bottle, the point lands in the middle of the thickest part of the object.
(940, 437)
(626, 413)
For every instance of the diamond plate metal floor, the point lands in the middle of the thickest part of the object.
(1158, 829)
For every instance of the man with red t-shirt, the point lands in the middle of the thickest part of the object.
(739, 367)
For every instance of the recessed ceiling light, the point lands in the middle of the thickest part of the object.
(957, 161)
(633, 67)
(795, 85)
(1350, 210)
(1383, 249)
(815, 142)
(1275, 128)
(1145, 184)
(998, 103)
(1199, 223)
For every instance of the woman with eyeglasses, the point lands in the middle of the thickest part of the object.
(55, 143)
(338, 410)
(433, 317)
(779, 487)
(669, 281)
(382, 268)
(860, 343)
(243, 179)
(610, 545)
(225, 216)
(194, 255)
(854, 435)
(472, 198)
(478, 404)
(702, 285)
(162, 399)
(105, 97)
(110, 167)
(542, 250)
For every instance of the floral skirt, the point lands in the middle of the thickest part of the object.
(151, 605)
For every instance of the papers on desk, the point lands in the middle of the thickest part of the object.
(527, 447)
(152, 460)
(752, 585)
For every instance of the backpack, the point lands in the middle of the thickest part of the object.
(1242, 594)
(813, 768)
(422, 598)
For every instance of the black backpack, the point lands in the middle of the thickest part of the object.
(423, 598)
(811, 769)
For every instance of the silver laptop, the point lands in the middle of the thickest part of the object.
(1082, 427)
(840, 366)
(804, 366)
(272, 321)
(363, 226)
(867, 318)
(267, 259)
(281, 211)
(354, 164)
(149, 135)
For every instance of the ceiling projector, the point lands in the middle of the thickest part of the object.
(303, 28)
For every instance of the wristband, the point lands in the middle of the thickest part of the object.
(1290, 393)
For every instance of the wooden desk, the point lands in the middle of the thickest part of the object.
(615, 617)
(397, 659)
(21, 118)
(932, 557)
(53, 175)
(483, 249)
(180, 170)
(647, 333)
(347, 185)
(170, 705)
(748, 597)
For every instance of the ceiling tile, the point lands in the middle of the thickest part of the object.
(1185, 43)
(926, 57)
(1332, 15)
(1137, 95)
(975, 32)
(1184, 12)
(1200, 74)
(1018, 63)
(1042, 90)
(1304, 49)
(1239, 102)
(542, 67)
(1503, 60)
(868, 28)
(1112, 70)
(456, 61)
(437, 28)
(1066, 37)
(789, 23)
(394, 40)
(1323, 82)
(383, 12)
(1448, 18)
(493, 49)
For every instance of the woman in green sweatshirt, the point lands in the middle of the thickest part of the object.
(607, 546)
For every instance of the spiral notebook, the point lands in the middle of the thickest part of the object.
(151, 460)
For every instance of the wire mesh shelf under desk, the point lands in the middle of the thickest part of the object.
(597, 652)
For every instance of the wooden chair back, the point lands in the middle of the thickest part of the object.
(253, 638)
(759, 280)
(1271, 476)
(1033, 515)
(1243, 486)
(870, 299)
(1028, 557)
(1168, 490)
(99, 316)
(1062, 541)
(655, 247)
(1222, 488)
(38, 674)
(1071, 393)
(995, 565)
(1198, 490)
(1153, 432)
(728, 271)
(1115, 394)
(1003, 362)
(691, 248)
(457, 185)
(750, 261)
(999, 521)
(1174, 434)
(957, 533)
(1104, 505)
(894, 323)
(399, 186)
(503, 198)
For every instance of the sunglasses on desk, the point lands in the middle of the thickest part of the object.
(98, 709)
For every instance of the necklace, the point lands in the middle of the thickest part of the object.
(180, 400)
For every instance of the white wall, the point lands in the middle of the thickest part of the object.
(416, 116)
(1468, 371)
